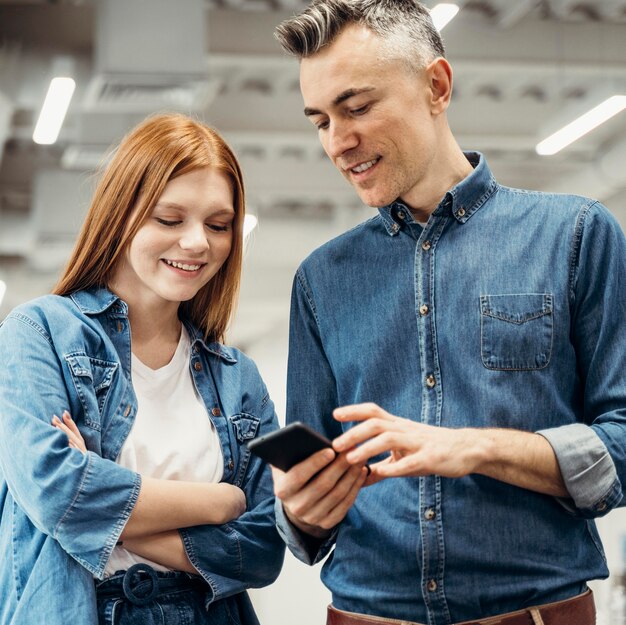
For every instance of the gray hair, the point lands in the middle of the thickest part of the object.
(405, 25)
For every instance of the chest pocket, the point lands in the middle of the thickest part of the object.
(516, 331)
(245, 426)
(92, 379)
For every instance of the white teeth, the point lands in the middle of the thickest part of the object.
(364, 166)
(183, 266)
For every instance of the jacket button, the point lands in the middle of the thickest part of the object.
(127, 411)
(432, 585)
(216, 412)
(426, 246)
(231, 464)
(460, 212)
(429, 514)
(423, 309)
(430, 381)
(197, 366)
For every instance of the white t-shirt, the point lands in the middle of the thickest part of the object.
(172, 436)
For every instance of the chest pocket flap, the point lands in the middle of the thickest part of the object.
(516, 331)
(92, 379)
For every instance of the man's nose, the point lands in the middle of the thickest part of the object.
(341, 138)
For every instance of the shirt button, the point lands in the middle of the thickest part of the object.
(423, 309)
(395, 227)
(127, 411)
(401, 215)
(426, 246)
(430, 381)
(197, 366)
(432, 585)
(460, 212)
(429, 514)
(216, 412)
(231, 464)
(601, 506)
(120, 326)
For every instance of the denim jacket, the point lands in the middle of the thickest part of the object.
(507, 310)
(62, 512)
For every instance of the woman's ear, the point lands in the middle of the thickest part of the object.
(439, 74)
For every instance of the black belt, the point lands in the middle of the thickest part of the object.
(141, 584)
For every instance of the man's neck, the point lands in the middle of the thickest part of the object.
(446, 173)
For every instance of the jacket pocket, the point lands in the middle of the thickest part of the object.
(516, 331)
(92, 379)
(245, 427)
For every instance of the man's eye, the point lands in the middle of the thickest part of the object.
(360, 110)
(322, 125)
(167, 222)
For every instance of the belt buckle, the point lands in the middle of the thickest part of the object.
(134, 591)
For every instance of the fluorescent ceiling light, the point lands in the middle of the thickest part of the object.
(443, 13)
(3, 290)
(581, 126)
(249, 224)
(53, 110)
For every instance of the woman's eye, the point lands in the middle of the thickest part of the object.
(218, 228)
(167, 222)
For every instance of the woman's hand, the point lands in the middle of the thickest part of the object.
(68, 426)
(227, 502)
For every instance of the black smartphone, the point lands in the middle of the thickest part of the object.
(288, 446)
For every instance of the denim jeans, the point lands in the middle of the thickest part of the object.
(143, 596)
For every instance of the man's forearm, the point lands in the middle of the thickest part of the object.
(523, 459)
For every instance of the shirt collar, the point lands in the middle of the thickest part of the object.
(96, 300)
(463, 200)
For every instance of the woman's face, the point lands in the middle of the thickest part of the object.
(183, 243)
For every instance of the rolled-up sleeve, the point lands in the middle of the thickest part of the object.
(592, 452)
(81, 500)
(587, 468)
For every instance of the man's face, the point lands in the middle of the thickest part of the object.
(373, 116)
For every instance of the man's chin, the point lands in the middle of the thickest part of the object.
(375, 200)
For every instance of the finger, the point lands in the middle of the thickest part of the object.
(360, 433)
(382, 443)
(67, 419)
(332, 508)
(290, 482)
(320, 488)
(69, 433)
(339, 512)
(360, 412)
(407, 466)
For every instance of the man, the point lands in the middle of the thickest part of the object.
(491, 319)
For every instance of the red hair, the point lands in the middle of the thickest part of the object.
(156, 151)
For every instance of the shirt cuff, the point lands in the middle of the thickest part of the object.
(587, 468)
(306, 550)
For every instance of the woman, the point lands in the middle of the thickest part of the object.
(144, 505)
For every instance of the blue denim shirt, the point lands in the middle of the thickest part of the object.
(515, 303)
(62, 512)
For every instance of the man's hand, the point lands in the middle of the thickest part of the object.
(414, 449)
(520, 458)
(318, 492)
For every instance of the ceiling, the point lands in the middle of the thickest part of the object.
(522, 69)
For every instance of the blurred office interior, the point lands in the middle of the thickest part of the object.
(523, 69)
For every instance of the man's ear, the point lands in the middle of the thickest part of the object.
(439, 74)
